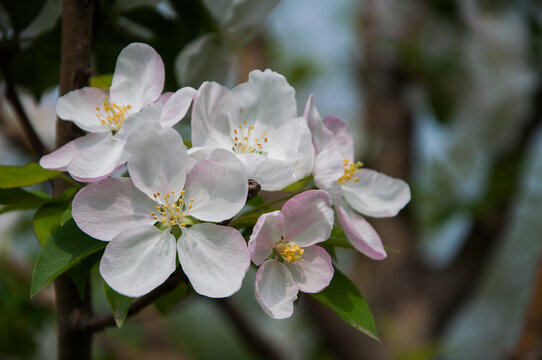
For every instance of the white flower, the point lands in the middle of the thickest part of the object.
(136, 216)
(108, 115)
(366, 191)
(258, 122)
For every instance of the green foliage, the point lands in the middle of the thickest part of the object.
(29, 174)
(101, 82)
(65, 247)
(79, 272)
(119, 304)
(343, 297)
(47, 219)
(17, 199)
(303, 184)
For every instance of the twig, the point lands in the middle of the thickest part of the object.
(11, 95)
(100, 322)
(251, 335)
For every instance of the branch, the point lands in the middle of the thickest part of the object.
(100, 322)
(11, 95)
(251, 335)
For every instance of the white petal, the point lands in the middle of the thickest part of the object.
(271, 174)
(110, 207)
(265, 98)
(360, 233)
(308, 218)
(177, 106)
(268, 230)
(138, 260)
(376, 194)
(210, 116)
(275, 289)
(139, 76)
(149, 115)
(319, 132)
(60, 158)
(215, 258)
(98, 161)
(314, 273)
(218, 186)
(80, 105)
(328, 168)
(157, 159)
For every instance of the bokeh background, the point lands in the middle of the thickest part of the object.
(445, 94)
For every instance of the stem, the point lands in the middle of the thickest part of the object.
(101, 322)
(74, 341)
(35, 143)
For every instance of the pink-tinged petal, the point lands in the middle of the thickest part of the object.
(138, 260)
(265, 98)
(80, 105)
(138, 79)
(268, 230)
(214, 258)
(271, 174)
(157, 159)
(60, 159)
(314, 273)
(177, 106)
(328, 169)
(98, 161)
(341, 139)
(105, 209)
(210, 116)
(308, 218)
(162, 99)
(361, 234)
(319, 132)
(376, 194)
(218, 186)
(275, 289)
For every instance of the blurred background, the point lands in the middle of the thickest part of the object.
(445, 94)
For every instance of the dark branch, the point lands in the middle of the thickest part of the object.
(251, 335)
(101, 322)
(11, 95)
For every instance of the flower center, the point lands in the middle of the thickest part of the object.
(290, 251)
(170, 211)
(112, 116)
(349, 171)
(245, 140)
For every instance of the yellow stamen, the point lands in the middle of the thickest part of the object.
(350, 169)
(290, 251)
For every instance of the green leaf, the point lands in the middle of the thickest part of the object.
(102, 81)
(78, 273)
(119, 304)
(338, 238)
(165, 303)
(18, 199)
(304, 183)
(46, 219)
(343, 297)
(67, 215)
(65, 247)
(29, 174)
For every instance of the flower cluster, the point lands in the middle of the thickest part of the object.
(177, 202)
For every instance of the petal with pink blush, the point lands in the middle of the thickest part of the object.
(105, 209)
(60, 158)
(376, 194)
(218, 186)
(98, 161)
(214, 258)
(320, 134)
(275, 289)
(267, 231)
(308, 218)
(80, 105)
(360, 233)
(177, 106)
(138, 79)
(341, 140)
(314, 273)
(138, 260)
(157, 159)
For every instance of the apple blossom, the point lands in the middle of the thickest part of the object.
(282, 244)
(258, 122)
(364, 190)
(107, 115)
(137, 216)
